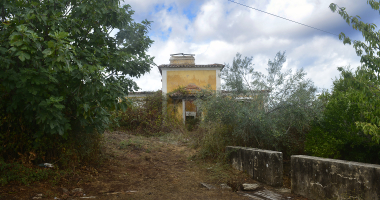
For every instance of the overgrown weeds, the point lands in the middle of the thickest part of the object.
(24, 174)
(21, 164)
(211, 140)
(145, 116)
(134, 143)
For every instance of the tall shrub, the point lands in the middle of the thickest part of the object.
(368, 83)
(336, 134)
(269, 111)
(62, 71)
(145, 116)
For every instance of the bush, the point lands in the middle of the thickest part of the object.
(336, 134)
(272, 111)
(365, 83)
(212, 138)
(144, 116)
(350, 127)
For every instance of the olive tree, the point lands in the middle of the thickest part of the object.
(270, 111)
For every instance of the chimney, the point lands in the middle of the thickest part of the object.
(182, 59)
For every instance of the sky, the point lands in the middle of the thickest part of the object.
(215, 30)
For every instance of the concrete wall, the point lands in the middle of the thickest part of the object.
(320, 178)
(262, 165)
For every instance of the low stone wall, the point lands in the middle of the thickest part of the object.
(262, 165)
(320, 178)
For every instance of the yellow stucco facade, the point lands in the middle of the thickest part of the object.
(200, 78)
(182, 72)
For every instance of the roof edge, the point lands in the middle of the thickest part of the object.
(221, 66)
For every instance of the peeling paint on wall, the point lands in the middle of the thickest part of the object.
(201, 78)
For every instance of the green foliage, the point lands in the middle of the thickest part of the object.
(144, 116)
(368, 83)
(62, 72)
(350, 127)
(336, 134)
(183, 92)
(271, 111)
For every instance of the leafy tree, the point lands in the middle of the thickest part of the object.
(271, 111)
(336, 135)
(368, 83)
(62, 71)
(349, 128)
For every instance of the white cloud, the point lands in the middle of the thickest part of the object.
(219, 29)
(321, 57)
(295, 9)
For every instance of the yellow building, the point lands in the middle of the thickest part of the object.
(183, 74)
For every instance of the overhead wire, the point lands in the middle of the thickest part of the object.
(283, 18)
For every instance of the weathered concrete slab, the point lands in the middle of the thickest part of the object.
(250, 187)
(248, 160)
(263, 195)
(268, 167)
(235, 156)
(320, 178)
(262, 165)
(225, 186)
(283, 190)
(208, 186)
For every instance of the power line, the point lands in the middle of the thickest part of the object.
(283, 18)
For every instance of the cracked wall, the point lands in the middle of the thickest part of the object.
(262, 165)
(321, 178)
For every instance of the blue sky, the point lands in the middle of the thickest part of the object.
(215, 30)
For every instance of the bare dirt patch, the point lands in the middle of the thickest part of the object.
(138, 167)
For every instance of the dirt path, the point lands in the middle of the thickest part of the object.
(147, 168)
(155, 169)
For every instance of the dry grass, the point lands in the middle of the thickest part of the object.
(154, 167)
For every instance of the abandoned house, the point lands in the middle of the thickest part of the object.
(182, 79)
